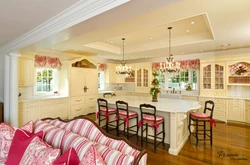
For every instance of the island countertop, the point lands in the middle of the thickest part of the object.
(163, 104)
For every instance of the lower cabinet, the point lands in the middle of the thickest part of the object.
(55, 108)
(28, 111)
(236, 110)
(247, 107)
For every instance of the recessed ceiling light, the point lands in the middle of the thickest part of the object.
(75, 50)
(151, 38)
(182, 52)
(192, 23)
(145, 57)
(201, 50)
(159, 55)
(111, 41)
(187, 31)
(223, 48)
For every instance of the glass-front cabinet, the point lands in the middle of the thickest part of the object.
(213, 79)
(143, 75)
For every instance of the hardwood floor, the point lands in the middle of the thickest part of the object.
(231, 145)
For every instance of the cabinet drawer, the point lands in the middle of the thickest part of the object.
(77, 110)
(219, 108)
(91, 107)
(90, 98)
(77, 100)
(219, 101)
(235, 102)
(29, 104)
(220, 116)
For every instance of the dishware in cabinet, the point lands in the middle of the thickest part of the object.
(213, 79)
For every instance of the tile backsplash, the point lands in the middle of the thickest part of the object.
(238, 91)
(125, 87)
(26, 91)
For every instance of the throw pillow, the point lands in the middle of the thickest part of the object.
(68, 158)
(28, 127)
(92, 157)
(39, 153)
(6, 135)
(19, 144)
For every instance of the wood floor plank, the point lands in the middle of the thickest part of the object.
(231, 146)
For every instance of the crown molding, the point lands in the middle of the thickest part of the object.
(73, 15)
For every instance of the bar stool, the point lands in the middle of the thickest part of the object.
(199, 120)
(104, 114)
(125, 115)
(149, 117)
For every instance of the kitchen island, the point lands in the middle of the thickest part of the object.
(174, 112)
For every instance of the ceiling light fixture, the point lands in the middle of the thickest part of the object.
(123, 69)
(170, 68)
(192, 23)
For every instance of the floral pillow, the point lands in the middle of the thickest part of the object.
(19, 144)
(92, 157)
(39, 153)
(6, 135)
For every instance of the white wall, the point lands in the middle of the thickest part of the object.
(1, 77)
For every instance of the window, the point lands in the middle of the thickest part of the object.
(46, 80)
(100, 80)
(180, 81)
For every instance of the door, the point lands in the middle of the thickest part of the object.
(91, 81)
(77, 78)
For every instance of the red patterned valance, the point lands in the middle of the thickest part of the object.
(102, 67)
(47, 62)
(184, 64)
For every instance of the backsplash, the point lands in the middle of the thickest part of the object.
(26, 91)
(125, 87)
(238, 91)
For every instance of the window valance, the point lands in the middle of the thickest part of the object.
(47, 62)
(184, 64)
(102, 67)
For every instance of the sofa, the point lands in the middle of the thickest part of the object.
(57, 142)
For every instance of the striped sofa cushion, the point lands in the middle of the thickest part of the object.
(113, 157)
(87, 130)
(80, 144)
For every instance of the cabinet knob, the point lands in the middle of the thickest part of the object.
(78, 109)
(78, 100)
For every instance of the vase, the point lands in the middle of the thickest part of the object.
(154, 98)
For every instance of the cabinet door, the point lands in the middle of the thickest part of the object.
(206, 80)
(91, 81)
(91, 107)
(25, 72)
(236, 110)
(77, 79)
(247, 105)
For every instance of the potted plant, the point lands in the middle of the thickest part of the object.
(189, 86)
(155, 89)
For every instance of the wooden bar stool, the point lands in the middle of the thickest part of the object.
(199, 122)
(149, 117)
(104, 114)
(126, 115)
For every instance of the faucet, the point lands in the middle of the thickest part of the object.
(173, 90)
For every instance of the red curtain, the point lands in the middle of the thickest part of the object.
(47, 62)
(184, 64)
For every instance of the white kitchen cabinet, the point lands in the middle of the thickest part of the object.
(28, 111)
(53, 108)
(247, 108)
(236, 110)
(142, 79)
(212, 79)
(83, 91)
(25, 72)
(189, 97)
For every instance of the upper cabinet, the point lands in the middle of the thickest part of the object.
(143, 78)
(238, 73)
(213, 79)
(25, 72)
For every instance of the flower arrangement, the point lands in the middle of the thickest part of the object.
(155, 89)
(189, 86)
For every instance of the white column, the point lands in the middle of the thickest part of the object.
(13, 89)
(173, 134)
(6, 89)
